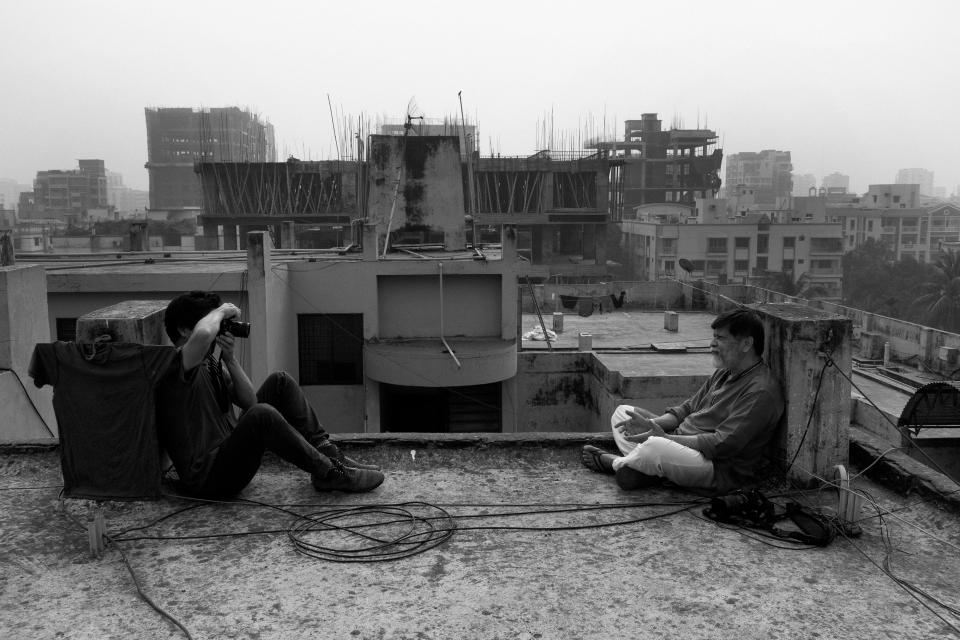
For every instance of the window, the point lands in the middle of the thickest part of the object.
(870, 225)
(742, 243)
(741, 266)
(787, 266)
(697, 265)
(716, 267)
(789, 242)
(331, 348)
(896, 199)
(66, 329)
(763, 243)
(668, 267)
(716, 245)
(762, 263)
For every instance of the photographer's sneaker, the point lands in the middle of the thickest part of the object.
(343, 478)
(333, 452)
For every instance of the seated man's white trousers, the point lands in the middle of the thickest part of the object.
(661, 457)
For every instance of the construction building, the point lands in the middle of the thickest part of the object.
(559, 208)
(179, 137)
(656, 166)
(768, 173)
(69, 195)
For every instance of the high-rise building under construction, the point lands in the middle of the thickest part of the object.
(179, 137)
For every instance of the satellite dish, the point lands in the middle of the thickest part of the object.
(686, 265)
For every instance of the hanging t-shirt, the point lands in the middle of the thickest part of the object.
(103, 397)
(194, 416)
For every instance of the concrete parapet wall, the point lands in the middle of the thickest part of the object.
(576, 391)
(555, 392)
(662, 294)
(26, 413)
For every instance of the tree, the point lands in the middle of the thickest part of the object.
(939, 301)
(801, 287)
(865, 274)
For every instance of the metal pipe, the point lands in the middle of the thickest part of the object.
(442, 339)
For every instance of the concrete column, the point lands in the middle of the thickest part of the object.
(288, 238)
(371, 393)
(509, 292)
(230, 236)
(370, 238)
(600, 243)
(23, 323)
(797, 339)
(211, 234)
(259, 314)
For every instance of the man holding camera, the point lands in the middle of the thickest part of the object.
(714, 441)
(215, 453)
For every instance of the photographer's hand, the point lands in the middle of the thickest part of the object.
(229, 311)
(226, 342)
(241, 389)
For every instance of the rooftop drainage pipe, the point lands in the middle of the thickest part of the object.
(442, 339)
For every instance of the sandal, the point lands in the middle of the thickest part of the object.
(592, 458)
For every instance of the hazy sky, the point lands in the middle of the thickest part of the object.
(864, 88)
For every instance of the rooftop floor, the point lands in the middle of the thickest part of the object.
(667, 571)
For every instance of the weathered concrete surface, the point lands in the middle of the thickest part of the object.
(679, 576)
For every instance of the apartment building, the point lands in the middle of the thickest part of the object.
(66, 194)
(915, 232)
(836, 182)
(768, 173)
(921, 177)
(746, 251)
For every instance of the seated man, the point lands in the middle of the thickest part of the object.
(216, 454)
(715, 440)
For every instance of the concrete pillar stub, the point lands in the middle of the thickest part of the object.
(139, 321)
(798, 340)
(671, 321)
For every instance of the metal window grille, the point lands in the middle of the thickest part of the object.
(330, 348)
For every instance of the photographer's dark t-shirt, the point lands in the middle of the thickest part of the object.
(190, 420)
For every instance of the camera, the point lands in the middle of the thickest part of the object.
(742, 505)
(236, 329)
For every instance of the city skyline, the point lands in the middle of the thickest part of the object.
(859, 91)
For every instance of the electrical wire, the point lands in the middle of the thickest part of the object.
(813, 404)
(136, 581)
(921, 596)
(427, 525)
